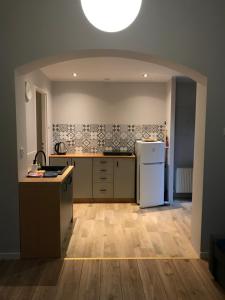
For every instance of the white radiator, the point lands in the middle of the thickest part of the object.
(184, 180)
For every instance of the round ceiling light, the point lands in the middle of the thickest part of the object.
(111, 15)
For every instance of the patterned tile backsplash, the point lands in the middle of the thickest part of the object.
(94, 138)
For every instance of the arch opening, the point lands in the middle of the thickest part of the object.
(198, 169)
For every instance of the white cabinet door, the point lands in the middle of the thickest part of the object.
(82, 178)
(124, 178)
(151, 185)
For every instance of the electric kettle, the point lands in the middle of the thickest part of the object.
(60, 148)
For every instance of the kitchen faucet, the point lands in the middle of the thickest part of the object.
(36, 155)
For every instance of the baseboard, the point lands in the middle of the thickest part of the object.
(104, 200)
(186, 196)
(9, 255)
(204, 255)
(83, 200)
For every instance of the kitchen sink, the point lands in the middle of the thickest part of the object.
(56, 169)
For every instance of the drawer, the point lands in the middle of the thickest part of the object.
(103, 190)
(103, 165)
(102, 177)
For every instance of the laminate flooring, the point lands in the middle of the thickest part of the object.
(108, 280)
(126, 231)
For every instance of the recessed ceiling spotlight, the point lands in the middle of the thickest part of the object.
(74, 74)
(145, 75)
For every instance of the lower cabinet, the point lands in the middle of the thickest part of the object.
(46, 213)
(103, 178)
(66, 206)
(82, 176)
(59, 161)
(96, 179)
(124, 178)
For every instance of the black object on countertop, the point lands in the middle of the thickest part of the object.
(217, 258)
(57, 169)
(118, 153)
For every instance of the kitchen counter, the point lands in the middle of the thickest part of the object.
(46, 215)
(90, 155)
(58, 179)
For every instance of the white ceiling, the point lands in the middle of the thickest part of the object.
(108, 69)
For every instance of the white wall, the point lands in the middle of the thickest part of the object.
(96, 102)
(38, 82)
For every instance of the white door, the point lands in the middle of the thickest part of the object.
(151, 185)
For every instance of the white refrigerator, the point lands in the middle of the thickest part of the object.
(150, 173)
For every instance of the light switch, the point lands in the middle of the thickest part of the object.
(21, 152)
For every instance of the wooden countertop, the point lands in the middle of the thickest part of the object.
(90, 155)
(58, 179)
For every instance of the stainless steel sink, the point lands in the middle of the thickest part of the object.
(56, 169)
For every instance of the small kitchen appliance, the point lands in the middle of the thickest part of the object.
(60, 148)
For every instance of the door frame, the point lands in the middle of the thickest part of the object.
(44, 94)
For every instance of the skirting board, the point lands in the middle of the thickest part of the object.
(104, 200)
(9, 255)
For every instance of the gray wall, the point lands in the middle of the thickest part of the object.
(189, 33)
(184, 123)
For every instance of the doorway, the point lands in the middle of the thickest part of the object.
(41, 122)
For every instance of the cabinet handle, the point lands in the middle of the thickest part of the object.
(74, 164)
(103, 178)
(103, 190)
(103, 170)
(117, 164)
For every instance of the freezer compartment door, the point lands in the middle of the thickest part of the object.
(152, 152)
(151, 185)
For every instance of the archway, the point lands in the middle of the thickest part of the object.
(199, 128)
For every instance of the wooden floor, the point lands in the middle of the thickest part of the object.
(108, 280)
(126, 231)
(117, 230)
